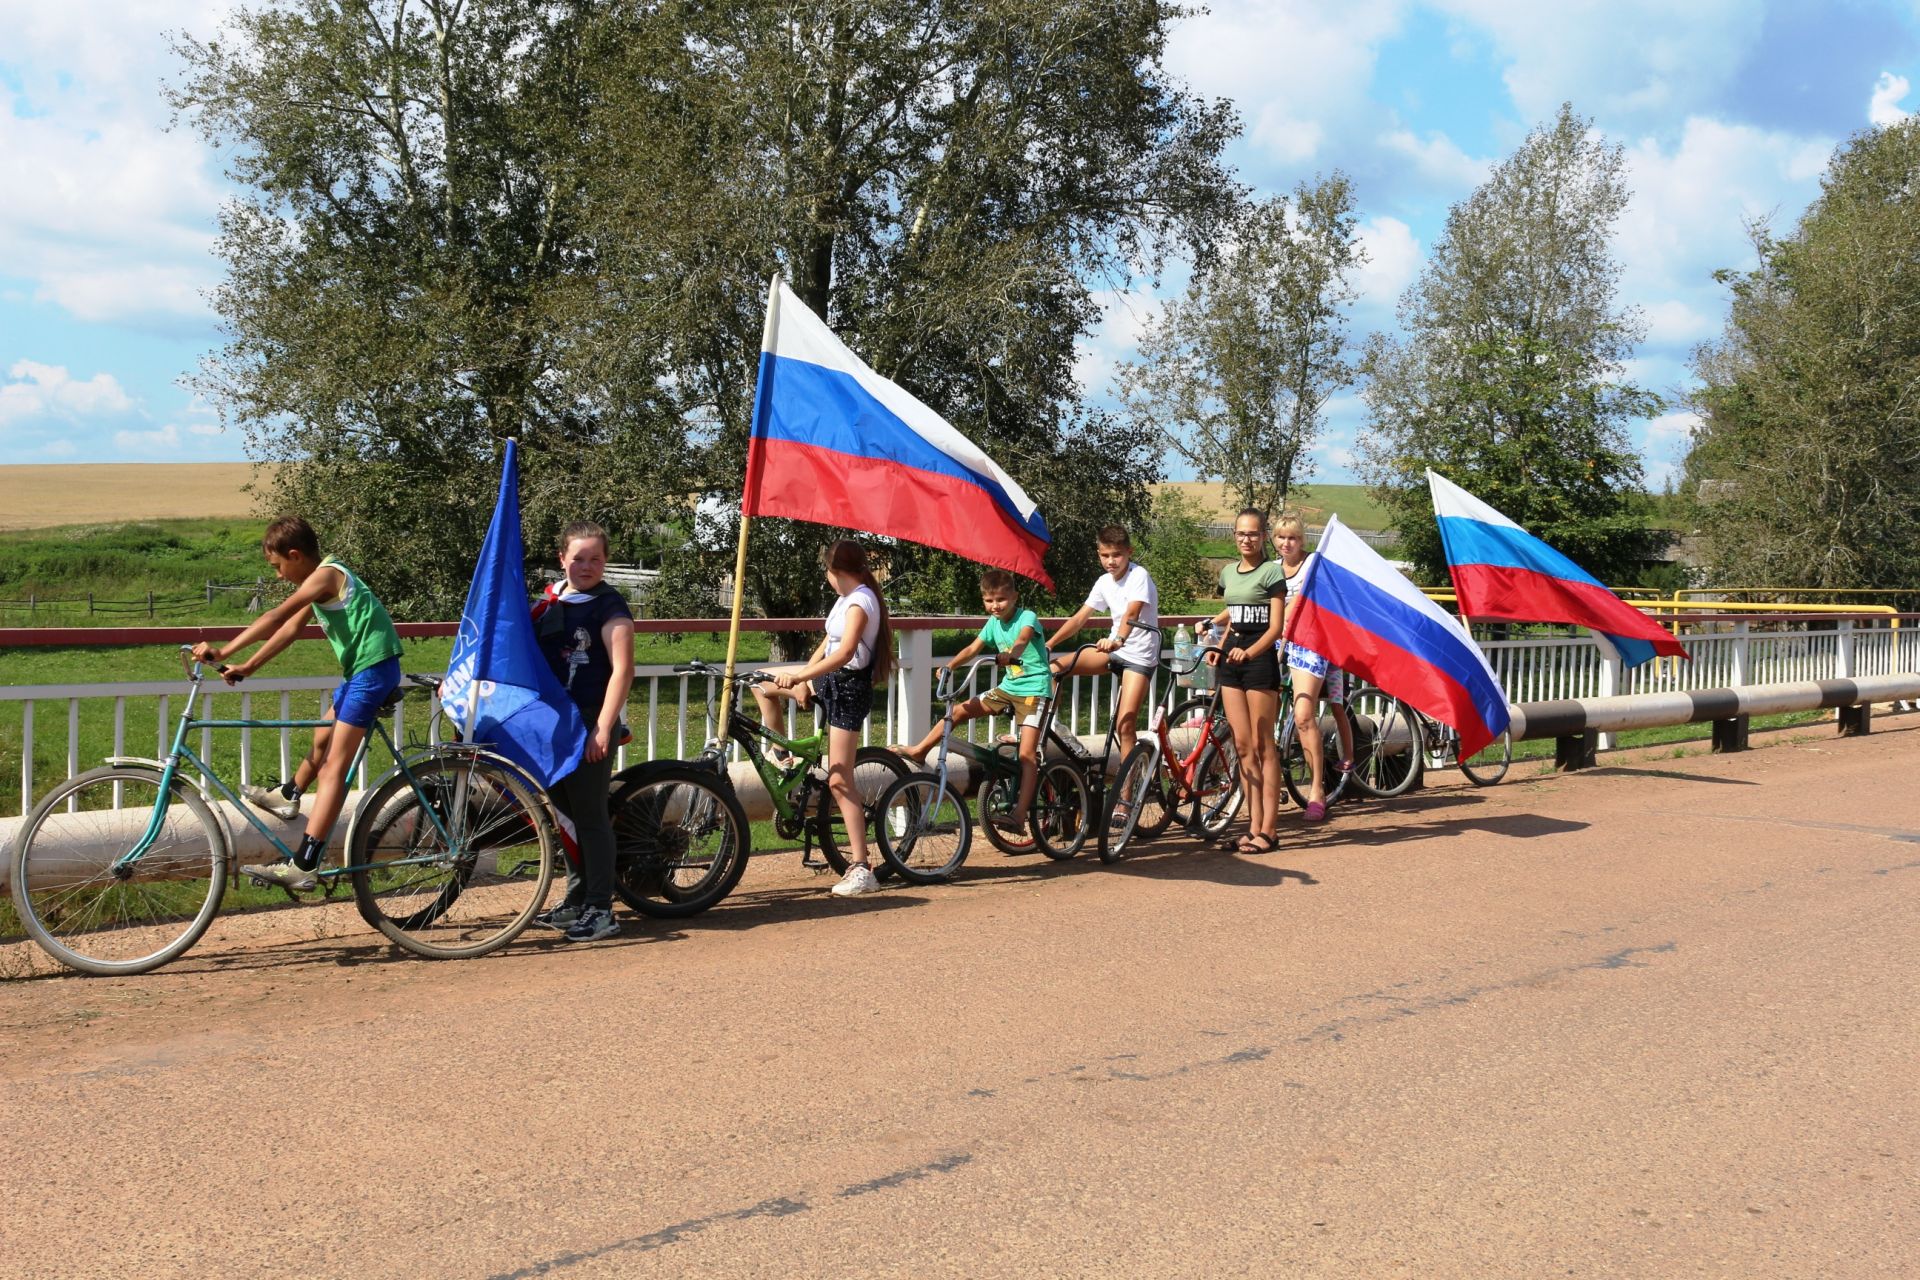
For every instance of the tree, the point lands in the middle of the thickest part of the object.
(1805, 469)
(1237, 372)
(943, 183)
(1510, 377)
(556, 219)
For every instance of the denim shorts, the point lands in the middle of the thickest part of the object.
(846, 697)
(358, 701)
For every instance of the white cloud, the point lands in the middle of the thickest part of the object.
(1438, 159)
(1888, 92)
(1393, 259)
(35, 392)
(165, 439)
(1664, 444)
(1625, 60)
(108, 213)
(1125, 316)
(1691, 203)
(1299, 70)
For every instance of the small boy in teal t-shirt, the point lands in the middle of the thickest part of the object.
(1013, 633)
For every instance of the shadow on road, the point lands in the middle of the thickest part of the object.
(1624, 771)
(1520, 826)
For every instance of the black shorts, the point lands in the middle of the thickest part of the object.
(1260, 671)
(846, 697)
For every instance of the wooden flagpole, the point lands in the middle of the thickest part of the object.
(747, 493)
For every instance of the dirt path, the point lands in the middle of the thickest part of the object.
(1654, 1019)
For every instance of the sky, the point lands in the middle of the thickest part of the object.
(1728, 111)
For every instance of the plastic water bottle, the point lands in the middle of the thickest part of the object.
(1183, 655)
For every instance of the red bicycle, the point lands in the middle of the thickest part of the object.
(1185, 760)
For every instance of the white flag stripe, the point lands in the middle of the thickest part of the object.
(1341, 546)
(802, 335)
(1449, 499)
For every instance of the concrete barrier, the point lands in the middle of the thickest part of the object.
(1575, 724)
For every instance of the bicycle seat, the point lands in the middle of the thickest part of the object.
(394, 699)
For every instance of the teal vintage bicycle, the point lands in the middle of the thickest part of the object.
(121, 869)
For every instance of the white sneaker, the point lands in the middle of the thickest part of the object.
(273, 800)
(284, 874)
(858, 880)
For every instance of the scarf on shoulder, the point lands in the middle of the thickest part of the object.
(549, 620)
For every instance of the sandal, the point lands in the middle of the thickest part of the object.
(1316, 811)
(1261, 843)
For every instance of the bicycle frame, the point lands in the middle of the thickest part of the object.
(181, 753)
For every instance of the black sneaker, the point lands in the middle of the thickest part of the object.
(594, 924)
(560, 917)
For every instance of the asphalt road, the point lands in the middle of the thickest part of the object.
(1652, 1020)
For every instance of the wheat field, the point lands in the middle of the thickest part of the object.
(41, 496)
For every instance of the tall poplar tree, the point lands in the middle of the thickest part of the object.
(1510, 376)
(1805, 469)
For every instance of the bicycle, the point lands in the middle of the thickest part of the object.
(1387, 756)
(925, 830)
(1091, 771)
(803, 806)
(1295, 771)
(450, 853)
(1186, 760)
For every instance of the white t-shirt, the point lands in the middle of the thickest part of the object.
(1141, 648)
(869, 635)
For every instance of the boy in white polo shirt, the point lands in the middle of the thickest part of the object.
(1125, 592)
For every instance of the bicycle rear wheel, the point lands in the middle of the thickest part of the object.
(1389, 758)
(1138, 773)
(1489, 764)
(1062, 813)
(998, 794)
(92, 915)
(680, 839)
(456, 866)
(1297, 774)
(925, 829)
(874, 770)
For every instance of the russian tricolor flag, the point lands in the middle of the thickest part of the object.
(1360, 613)
(835, 443)
(1502, 571)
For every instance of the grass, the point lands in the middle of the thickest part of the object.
(102, 575)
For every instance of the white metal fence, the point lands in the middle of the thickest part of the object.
(63, 729)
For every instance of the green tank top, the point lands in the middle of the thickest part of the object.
(356, 625)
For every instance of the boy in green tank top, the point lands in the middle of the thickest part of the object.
(362, 635)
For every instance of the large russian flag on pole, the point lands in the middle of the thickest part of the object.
(1502, 571)
(835, 443)
(1360, 613)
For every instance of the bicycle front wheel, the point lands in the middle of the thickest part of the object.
(680, 840)
(1062, 813)
(87, 909)
(1217, 792)
(1390, 758)
(1131, 793)
(1489, 764)
(457, 865)
(925, 829)
(998, 795)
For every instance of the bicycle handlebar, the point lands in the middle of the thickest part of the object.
(945, 688)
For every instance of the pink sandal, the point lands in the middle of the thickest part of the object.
(1316, 811)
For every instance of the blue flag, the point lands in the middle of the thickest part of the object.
(499, 688)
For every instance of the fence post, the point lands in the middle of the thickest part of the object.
(916, 654)
(1843, 650)
(1612, 674)
(1741, 636)
(89, 604)
(209, 593)
(149, 604)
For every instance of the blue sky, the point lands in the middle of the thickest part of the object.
(1728, 110)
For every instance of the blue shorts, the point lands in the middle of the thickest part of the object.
(358, 701)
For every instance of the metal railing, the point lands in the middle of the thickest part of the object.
(668, 711)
